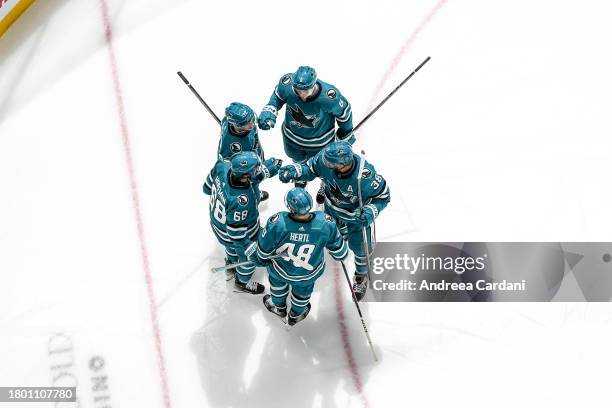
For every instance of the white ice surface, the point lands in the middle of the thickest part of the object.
(503, 136)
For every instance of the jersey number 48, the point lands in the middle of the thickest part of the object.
(301, 258)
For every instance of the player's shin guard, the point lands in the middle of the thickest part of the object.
(244, 273)
(231, 255)
(361, 264)
(360, 283)
(299, 303)
(279, 291)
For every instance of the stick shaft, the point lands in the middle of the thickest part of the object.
(390, 95)
(244, 263)
(180, 74)
(231, 266)
(365, 246)
(365, 328)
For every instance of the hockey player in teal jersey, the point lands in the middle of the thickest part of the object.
(239, 134)
(234, 192)
(313, 109)
(304, 235)
(340, 169)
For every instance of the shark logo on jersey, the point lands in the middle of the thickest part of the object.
(331, 94)
(366, 173)
(286, 79)
(340, 197)
(243, 199)
(274, 218)
(300, 119)
(235, 147)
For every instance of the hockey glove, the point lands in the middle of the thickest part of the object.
(366, 216)
(267, 118)
(345, 136)
(272, 166)
(244, 247)
(288, 173)
(257, 261)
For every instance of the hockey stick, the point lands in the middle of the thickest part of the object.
(373, 111)
(180, 74)
(365, 245)
(283, 254)
(365, 328)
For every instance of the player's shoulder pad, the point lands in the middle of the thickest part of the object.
(253, 134)
(329, 91)
(276, 222)
(317, 159)
(324, 220)
(328, 225)
(277, 219)
(331, 96)
(371, 180)
(221, 166)
(286, 81)
(368, 172)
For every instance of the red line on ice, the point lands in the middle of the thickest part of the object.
(136, 204)
(348, 351)
(398, 57)
(346, 344)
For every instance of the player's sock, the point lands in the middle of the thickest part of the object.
(252, 287)
(321, 194)
(360, 285)
(295, 318)
(229, 273)
(264, 195)
(280, 311)
(300, 184)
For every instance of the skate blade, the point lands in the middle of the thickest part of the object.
(247, 293)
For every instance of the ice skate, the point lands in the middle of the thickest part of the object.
(360, 285)
(281, 312)
(293, 319)
(252, 287)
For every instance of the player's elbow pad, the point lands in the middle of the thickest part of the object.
(341, 253)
